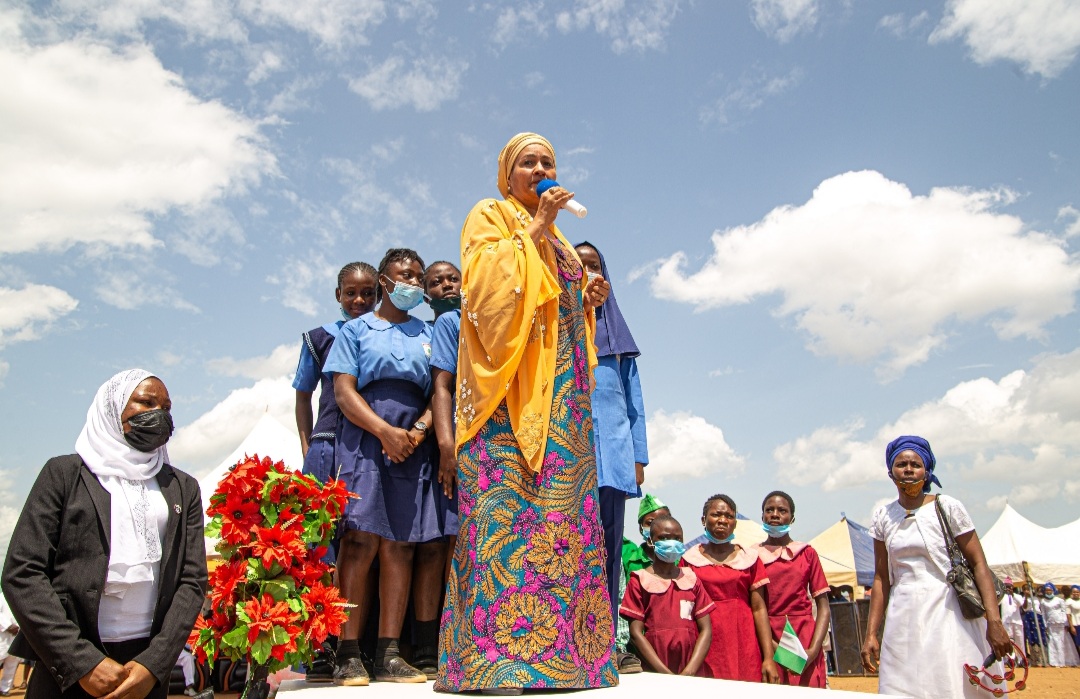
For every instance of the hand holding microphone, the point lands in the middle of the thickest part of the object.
(571, 205)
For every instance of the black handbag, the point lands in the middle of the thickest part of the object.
(960, 576)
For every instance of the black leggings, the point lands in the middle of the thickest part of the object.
(43, 686)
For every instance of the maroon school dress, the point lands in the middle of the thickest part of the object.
(669, 612)
(735, 653)
(795, 578)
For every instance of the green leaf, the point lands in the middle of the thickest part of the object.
(260, 649)
(296, 605)
(280, 636)
(278, 588)
(269, 512)
(213, 529)
(237, 638)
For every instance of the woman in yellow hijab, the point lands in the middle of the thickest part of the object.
(527, 603)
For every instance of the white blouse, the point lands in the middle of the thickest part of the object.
(127, 610)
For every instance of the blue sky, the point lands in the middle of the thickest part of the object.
(829, 223)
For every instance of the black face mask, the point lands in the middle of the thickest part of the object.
(149, 430)
(450, 303)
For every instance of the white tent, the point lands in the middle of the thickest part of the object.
(267, 438)
(1051, 553)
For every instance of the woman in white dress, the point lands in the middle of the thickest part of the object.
(926, 640)
(1059, 642)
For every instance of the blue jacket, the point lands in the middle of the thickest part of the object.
(619, 423)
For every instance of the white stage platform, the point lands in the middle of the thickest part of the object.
(647, 685)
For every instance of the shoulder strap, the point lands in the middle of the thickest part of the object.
(311, 348)
(955, 555)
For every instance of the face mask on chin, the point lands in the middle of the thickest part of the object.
(911, 490)
(450, 303)
(776, 531)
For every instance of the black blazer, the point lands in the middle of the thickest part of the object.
(58, 559)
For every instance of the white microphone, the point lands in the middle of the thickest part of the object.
(572, 206)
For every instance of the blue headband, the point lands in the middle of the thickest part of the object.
(921, 447)
(1051, 586)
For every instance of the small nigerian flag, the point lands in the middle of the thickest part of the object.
(790, 653)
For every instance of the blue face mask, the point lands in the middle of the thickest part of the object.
(405, 296)
(646, 534)
(713, 539)
(669, 550)
(776, 531)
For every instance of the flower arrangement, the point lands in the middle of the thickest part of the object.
(272, 599)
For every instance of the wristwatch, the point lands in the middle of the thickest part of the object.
(420, 425)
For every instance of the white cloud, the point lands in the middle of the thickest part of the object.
(27, 313)
(834, 262)
(267, 62)
(199, 446)
(1067, 212)
(640, 25)
(423, 84)
(683, 445)
(127, 290)
(518, 21)
(1024, 427)
(1043, 36)
(783, 20)
(97, 144)
(332, 23)
(298, 278)
(748, 94)
(280, 362)
(900, 25)
(5, 367)
(408, 208)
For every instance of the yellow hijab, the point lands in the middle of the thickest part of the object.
(510, 317)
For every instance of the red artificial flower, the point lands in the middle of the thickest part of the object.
(278, 544)
(193, 639)
(224, 581)
(247, 476)
(265, 613)
(239, 516)
(334, 496)
(310, 570)
(326, 613)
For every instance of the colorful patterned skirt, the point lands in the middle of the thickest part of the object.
(527, 602)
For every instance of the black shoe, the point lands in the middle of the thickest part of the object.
(426, 660)
(350, 672)
(322, 665)
(395, 669)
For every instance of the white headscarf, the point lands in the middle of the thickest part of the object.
(135, 546)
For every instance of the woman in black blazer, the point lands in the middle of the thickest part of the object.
(106, 570)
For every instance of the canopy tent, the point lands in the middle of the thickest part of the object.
(846, 550)
(1051, 553)
(267, 438)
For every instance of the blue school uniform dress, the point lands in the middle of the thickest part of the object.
(444, 353)
(319, 460)
(390, 363)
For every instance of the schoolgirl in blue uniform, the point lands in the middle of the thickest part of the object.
(382, 386)
(442, 286)
(356, 293)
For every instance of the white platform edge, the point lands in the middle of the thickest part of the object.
(646, 685)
